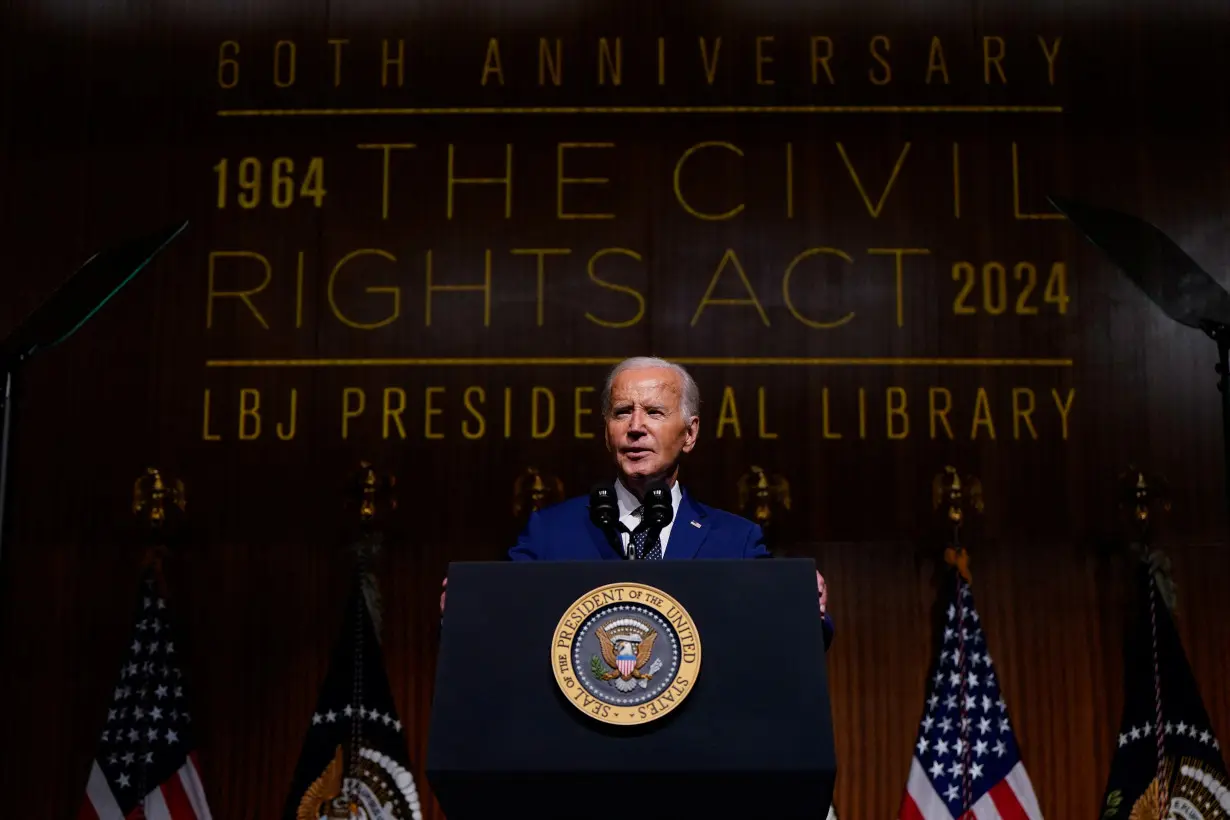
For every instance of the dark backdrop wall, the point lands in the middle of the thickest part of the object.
(834, 212)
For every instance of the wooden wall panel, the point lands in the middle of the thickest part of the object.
(110, 126)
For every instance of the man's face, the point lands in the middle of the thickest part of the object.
(645, 430)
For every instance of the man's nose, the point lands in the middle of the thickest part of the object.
(636, 423)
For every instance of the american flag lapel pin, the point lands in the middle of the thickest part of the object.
(696, 524)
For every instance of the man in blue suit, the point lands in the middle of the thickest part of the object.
(651, 411)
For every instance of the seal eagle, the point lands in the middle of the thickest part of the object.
(611, 653)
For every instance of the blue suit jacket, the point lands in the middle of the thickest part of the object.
(563, 532)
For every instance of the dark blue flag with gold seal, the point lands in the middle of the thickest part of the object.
(355, 762)
(1167, 763)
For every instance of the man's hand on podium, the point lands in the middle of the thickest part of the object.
(443, 592)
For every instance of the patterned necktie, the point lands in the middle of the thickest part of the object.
(641, 547)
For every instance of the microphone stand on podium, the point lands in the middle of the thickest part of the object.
(604, 514)
(63, 314)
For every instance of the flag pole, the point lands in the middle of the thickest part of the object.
(155, 497)
(373, 495)
(158, 500)
(1140, 493)
(958, 495)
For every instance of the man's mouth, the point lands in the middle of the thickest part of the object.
(636, 453)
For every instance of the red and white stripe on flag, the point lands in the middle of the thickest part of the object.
(1012, 798)
(966, 763)
(181, 797)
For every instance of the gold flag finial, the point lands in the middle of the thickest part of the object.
(763, 495)
(373, 492)
(533, 490)
(1139, 494)
(151, 495)
(155, 498)
(955, 496)
(1142, 497)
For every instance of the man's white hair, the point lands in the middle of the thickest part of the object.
(689, 402)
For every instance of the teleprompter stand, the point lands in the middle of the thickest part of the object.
(63, 314)
(1169, 278)
(752, 739)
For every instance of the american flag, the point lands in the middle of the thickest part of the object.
(146, 765)
(966, 762)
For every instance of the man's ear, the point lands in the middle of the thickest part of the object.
(690, 434)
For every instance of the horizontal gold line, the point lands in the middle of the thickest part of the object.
(564, 361)
(639, 109)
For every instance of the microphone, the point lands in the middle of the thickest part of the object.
(604, 513)
(658, 510)
(603, 507)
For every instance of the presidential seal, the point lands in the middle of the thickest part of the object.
(375, 788)
(1201, 791)
(626, 654)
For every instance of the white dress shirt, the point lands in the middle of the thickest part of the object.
(628, 503)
